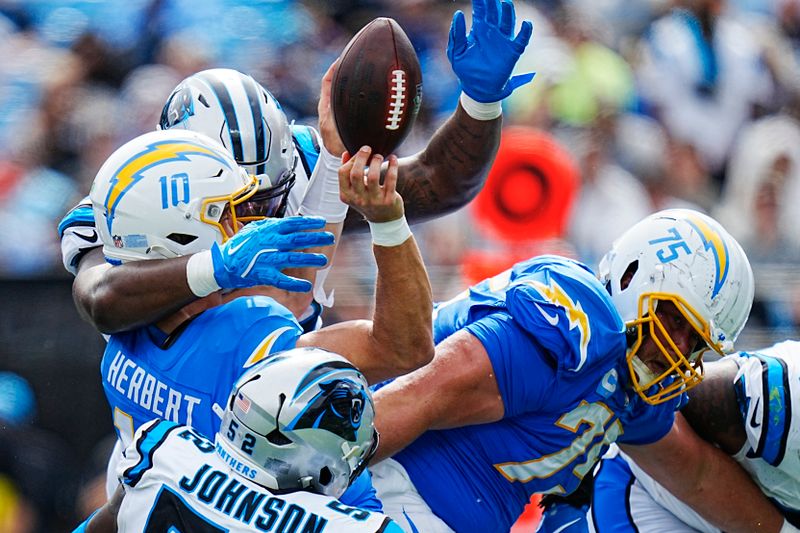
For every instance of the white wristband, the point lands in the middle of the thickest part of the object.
(480, 110)
(200, 274)
(392, 233)
(322, 194)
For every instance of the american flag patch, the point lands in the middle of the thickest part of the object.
(242, 403)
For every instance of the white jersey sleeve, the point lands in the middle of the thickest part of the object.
(768, 391)
(306, 142)
(177, 480)
(78, 235)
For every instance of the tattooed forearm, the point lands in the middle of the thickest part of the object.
(458, 158)
(448, 173)
(712, 410)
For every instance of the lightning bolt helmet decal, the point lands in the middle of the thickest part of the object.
(156, 153)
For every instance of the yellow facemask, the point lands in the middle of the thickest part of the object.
(686, 370)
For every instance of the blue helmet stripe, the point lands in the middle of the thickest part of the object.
(261, 129)
(226, 103)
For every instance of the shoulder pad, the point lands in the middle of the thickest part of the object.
(138, 456)
(81, 215)
(242, 313)
(563, 305)
(764, 385)
(260, 326)
(78, 235)
(306, 140)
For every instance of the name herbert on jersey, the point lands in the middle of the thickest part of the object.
(149, 392)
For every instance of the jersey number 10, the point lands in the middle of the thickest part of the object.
(174, 192)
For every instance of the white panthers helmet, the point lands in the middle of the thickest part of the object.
(300, 420)
(240, 113)
(687, 258)
(167, 194)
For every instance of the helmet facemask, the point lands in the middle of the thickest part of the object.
(678, 372)
(269, 201)
(222, 211)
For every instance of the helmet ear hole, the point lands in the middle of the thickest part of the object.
(181, 238)
(325, 476)
(628, 275)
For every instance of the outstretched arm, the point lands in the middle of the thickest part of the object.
(456, 389)
(135, 294)
(452, 168)
(707, 479)
(118, 298)
(139, 292)
(399, 337)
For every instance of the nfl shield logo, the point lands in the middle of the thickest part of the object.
(117, 241)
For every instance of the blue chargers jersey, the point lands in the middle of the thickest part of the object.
(186, 379)
(557, 346)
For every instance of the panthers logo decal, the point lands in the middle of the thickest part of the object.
(338, 407)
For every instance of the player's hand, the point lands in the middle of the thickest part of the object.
(327, 126)
(484, 59)
(257, 253)
(360, 186)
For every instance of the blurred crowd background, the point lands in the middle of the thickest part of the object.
(637, 106)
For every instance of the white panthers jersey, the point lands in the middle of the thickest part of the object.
(176, 480)
(768, 392)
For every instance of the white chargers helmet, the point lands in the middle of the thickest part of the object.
(235, 110)
(300, 420)
(687, 258)
(167, 194)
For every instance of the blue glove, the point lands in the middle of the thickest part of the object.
(484, 59)
(258, 252)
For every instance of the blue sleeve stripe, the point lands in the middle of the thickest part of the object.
(777, 412)
(307, 147)
(82, 215)
(762, 441)
(146, 445)
(786, 395)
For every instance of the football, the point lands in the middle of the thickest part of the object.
(377, 88)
